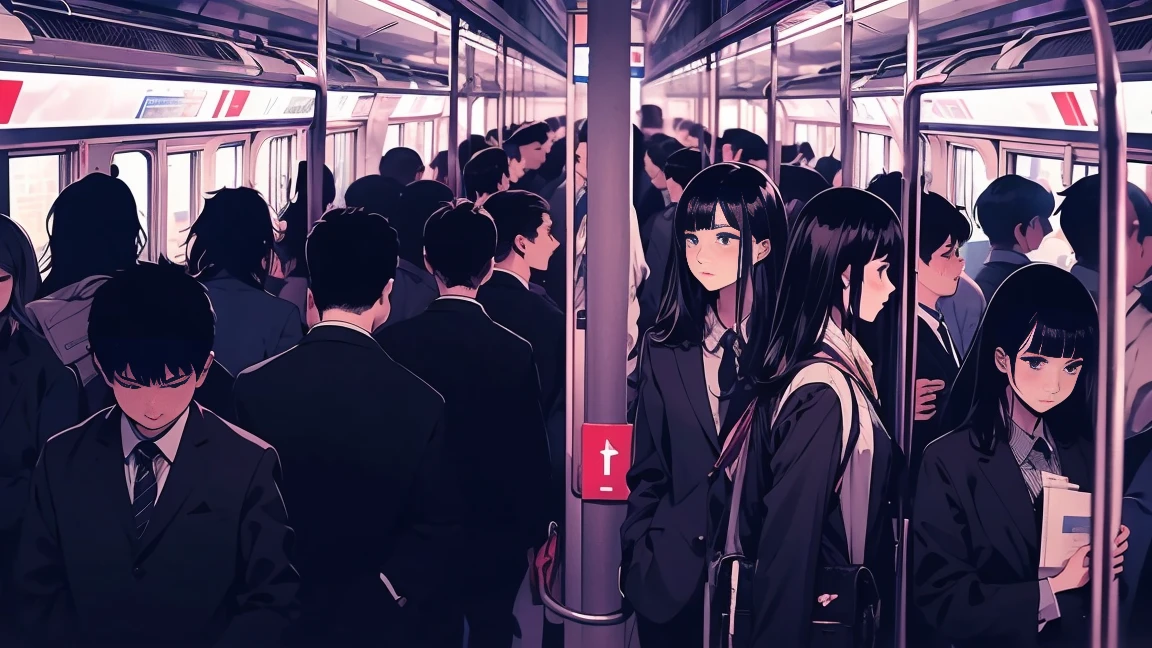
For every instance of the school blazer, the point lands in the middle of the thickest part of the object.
(975, 546)
(213, 568)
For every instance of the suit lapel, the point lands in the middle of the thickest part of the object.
(1005, 480)
(690, 364)
(184, 473)
(109, 485)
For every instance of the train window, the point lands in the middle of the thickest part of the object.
(340, 156)
(34, 181)
(392, 138)
(1049, 172)
(181, 191)
(969, 177)
(274, 169)
(871, 156)
(229, 166)
(1137, 173)
(136, 171)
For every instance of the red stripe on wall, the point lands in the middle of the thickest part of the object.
(220, 104)
(9, 92)
(239, 98)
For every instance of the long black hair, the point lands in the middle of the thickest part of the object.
(295, 218)
(840, 228)
(18, 259)
(232, 234)
(94, 230)
(751, 203)
(1053, 312)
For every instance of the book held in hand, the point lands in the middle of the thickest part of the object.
(1066, 523)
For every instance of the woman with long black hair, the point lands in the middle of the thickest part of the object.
(727, 252)
(288, 279)
(1021, 406)
(39, 397)
(811, 463)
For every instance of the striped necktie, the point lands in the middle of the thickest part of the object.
(144, 490)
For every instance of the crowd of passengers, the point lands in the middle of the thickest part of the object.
(353, 433)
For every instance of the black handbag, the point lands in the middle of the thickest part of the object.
(850, 620)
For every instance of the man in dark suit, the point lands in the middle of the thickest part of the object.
(362, 443)
(154, 522)
(943, 230)
(1013, 212)
(496, 438)
(485, 174)
(524, 243)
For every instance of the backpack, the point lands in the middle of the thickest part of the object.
(63, 319)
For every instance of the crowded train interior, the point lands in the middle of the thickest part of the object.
(855, 352)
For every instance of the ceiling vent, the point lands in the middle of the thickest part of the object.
(1129, 37)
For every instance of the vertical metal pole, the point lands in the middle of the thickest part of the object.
(1109, 457)
(318, 129)
(609, 205)
(470, 85)
(847, 141)
(714, 102)
(573, 511)
(503, 101)
(454, 108)
(699, 119)
(770, 94)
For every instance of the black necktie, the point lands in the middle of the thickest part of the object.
(946, 338)
(144, 489)
(727, 374)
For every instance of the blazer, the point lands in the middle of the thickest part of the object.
(213, 568)
(39, 397)
(933, 362)
(251, 325)
(992, 274)
(494, 430)
(675, 444)
(657, 235)
(975, 546)
(412, 291)
(362, 441)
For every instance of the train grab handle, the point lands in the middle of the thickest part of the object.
(544, 565)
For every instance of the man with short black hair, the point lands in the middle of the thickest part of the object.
(1014, 213)
(485, 174)
(651, 119)
(740, 145)
(402, 164)
(155, 521)
(496, 436)
(362, 441)
(527, 148)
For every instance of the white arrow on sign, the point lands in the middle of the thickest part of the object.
(608, 453)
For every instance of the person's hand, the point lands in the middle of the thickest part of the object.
(1118, 552)
(926, 398)
(1077, 571)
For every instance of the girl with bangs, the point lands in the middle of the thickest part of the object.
(726, 260)
(1021, 406)
(811, 464)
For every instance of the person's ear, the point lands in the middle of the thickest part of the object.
(520, 243)
(1003, 362)
(204, 374)
(761, 250)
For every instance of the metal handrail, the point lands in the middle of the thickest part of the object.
(847, 108)
(568, 614)
(1107, 489)
(318, 129)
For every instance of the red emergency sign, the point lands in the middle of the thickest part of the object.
(607, 455)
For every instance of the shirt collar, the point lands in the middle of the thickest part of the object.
(850, 351)
(1134, 294)
(714, 331)
(933, 316)
(522, 280)
(168, 442)
(1008, 256)
(460, 297)
(344, 325)
(1022, 442)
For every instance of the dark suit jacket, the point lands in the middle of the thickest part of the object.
(675, 445)
(975, 546)
(993, 274)
(657, 235)
(213, 567)
(933, 362)
(251, 325)
(39, 397)
(361, 439)
(412, 291)
(495, 437)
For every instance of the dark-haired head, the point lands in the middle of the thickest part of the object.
(651, 117)
(1012, 209)
(295, 219)
(806, 150)
(888, 186)
(233, 234)
(352, 261)
(523, 227)
(418, 201)
(94, 230)
(374, 194)
(150, 324)
(789, 153)
(829, 167)
(1080, 218)
(486, 173)
(402, 164)
(439, 166)
(845, 248)
(1037, 341)
(730, 231)
(19, 276)
(532, 144)
(656, 153)
(460, 245)
(742, 145)
(329, 194)
(682, 165)
(469, 148)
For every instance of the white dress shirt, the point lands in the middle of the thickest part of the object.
(346, 325)
(169, 444)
